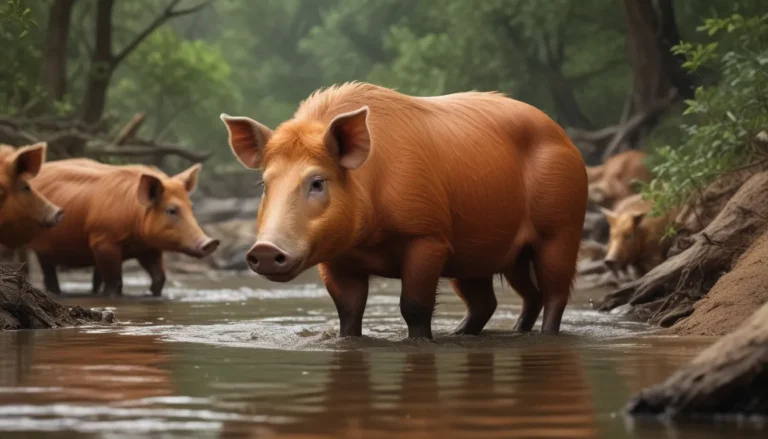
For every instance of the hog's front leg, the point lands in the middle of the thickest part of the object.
(108, 258)
(349, 292)
(422, 266)
(152, 262)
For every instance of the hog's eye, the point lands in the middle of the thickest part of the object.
(627, 236)
(317, 186)
(172, 211)
(26, 188)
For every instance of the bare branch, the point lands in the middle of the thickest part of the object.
(145, 151)
(130, 129)
(168, 13)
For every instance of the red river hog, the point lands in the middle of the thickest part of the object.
(115, 213)
(366, 181)
(612, 181)
(23, 210)
(636, 238)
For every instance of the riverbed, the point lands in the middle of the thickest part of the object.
(233, 356)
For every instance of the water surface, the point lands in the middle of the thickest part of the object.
(233, 356)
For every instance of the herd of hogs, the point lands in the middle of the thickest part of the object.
(362, 181)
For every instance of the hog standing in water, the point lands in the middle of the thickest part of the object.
(117, 213)
(366, 182)
(636, 238)
(22, 209)
(611, 182)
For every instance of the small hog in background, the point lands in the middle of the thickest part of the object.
(117, 213)
(366, 181)
(611, 182)
(23, 209)
(636, 238)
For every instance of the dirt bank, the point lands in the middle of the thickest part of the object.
(734, 297)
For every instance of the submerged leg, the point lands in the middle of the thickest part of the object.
(519, 277)
(480, 300)
(422, 266)
(349, 292)
(152, 263)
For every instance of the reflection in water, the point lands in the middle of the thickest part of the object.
(536, 392)
(65, 366)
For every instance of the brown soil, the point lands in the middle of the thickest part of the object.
(734, 297)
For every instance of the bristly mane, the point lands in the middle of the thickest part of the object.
(331, 101)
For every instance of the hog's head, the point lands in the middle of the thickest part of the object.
(626, 238)
(168, 223)
(308, 212)
(22, 209)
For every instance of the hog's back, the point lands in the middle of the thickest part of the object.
(488, 173)
(98, 199)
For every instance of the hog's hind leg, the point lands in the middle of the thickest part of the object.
(519, 277)
(480, 300)
(555, 263)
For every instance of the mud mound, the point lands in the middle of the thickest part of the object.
(734, 297)
(23, 306)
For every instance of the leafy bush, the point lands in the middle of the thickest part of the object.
(722, 120)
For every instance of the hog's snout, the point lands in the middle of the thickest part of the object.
(53, 218)
(611, 263)
(271, 261)
(206, 246)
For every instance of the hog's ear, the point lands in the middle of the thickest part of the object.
(29, 159)
(189, 177)
(637, 218)
(247, 139)
(150, 189)
(348, 139)
(609, 215)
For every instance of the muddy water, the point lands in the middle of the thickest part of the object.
(236, 357)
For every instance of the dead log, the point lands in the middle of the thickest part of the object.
(728, 378)
(685, 278)
(23, 306)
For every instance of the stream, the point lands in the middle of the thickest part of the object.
(234, 356)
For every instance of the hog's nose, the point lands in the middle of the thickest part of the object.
(54, 218)
(268, 259)
(207, 246)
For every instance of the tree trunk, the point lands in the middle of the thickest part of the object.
(54, 73)
(651, 33)
(102, 66)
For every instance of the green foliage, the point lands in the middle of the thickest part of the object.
(722, 120)
(181, 83)
(18, 57)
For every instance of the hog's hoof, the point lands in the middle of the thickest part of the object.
(471, 325)
(420, 333)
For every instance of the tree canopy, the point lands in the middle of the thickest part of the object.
(592, 65)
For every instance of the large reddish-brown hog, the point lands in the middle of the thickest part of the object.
(612, 181)
(23, 210)
(636, 238)
(366, 181)
(117, 213)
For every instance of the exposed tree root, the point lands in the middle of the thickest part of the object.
(669, 290)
